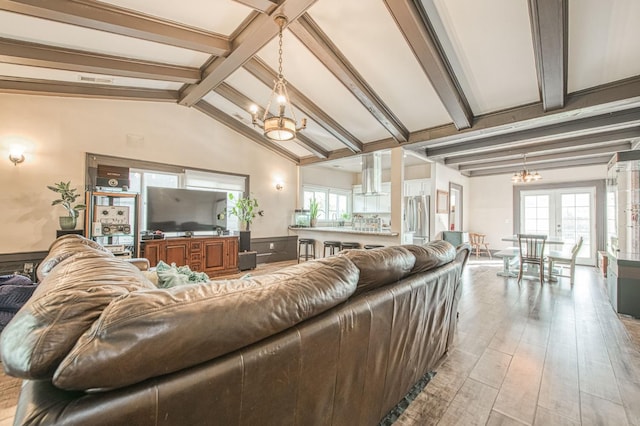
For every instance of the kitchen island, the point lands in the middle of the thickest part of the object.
(345, 234)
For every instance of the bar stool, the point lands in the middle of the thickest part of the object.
(308, 243)
(333, 247)
(349, 245)
(372, 246)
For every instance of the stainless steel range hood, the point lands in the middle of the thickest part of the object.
(371, 173)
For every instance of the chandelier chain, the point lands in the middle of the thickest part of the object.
(280, 76)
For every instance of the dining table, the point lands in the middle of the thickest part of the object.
(511, 256)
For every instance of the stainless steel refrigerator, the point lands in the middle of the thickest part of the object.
(416, 219)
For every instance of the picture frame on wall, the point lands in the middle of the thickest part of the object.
(442, 201)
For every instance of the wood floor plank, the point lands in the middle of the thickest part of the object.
(560, 387)
(601, 412)
(471, 406)
(499, 419)
(518, 396)
(491, 368)
(426, 410)
(546, 417)
(507, 338)
(452, 375)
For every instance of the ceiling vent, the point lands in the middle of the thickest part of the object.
(371, 173)
(101, 80)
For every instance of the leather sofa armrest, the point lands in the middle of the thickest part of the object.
(139, 262)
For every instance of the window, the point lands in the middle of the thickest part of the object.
(190, 179)
(332, 202)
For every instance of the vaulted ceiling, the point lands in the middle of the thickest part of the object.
(473, 84)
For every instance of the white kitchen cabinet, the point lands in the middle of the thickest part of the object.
(358, 199)
(414, 187)
(380, 203)
(384, 199)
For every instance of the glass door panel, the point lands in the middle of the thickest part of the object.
(562, 213)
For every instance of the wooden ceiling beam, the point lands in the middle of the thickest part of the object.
(243, 102)
(579, 162)
(609, 121)
(39, 55)
(243, 130)
(566, 144)
(112, 19)
(310, 34)
(262, 6)
(266, 75)
(549, 30)
(26, 86)
(414, 24)
(611, 96)
(538, 159)
(245, 45)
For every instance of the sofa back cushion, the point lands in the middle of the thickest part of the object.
(381, 266)
(154, 332)
(64, 305)
(431, 255)
(63, 247)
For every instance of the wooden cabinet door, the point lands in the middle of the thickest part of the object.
(151, 251)
(232, 253)
(215, 255)
(176, 252)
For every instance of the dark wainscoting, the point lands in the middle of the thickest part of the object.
(275, 249)
(21, 263)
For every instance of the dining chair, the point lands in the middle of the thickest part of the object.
(564, 260)
(532, 253)
(478, 244)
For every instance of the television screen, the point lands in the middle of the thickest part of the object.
(181, 210)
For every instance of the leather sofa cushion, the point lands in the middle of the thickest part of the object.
(64, 305)
(381, 266)
(154, 332)
(431, 255)
(63, 247)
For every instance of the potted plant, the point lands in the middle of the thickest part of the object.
(245, 209)
(67, 199)
(344, 217)
(313, 211)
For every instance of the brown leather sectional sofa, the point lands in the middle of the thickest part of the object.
(335, 341)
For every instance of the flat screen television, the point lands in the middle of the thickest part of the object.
(182, 210)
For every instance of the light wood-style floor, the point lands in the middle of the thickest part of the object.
(530, 354)
(524, 354)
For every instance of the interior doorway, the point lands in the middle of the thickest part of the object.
(455, 207)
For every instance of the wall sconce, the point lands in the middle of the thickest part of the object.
(279, 186)
(16, 156)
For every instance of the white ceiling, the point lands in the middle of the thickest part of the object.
(465, 82)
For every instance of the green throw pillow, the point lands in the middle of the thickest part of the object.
(171, 276)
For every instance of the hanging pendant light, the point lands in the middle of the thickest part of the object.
(524, 175)
(279, 127)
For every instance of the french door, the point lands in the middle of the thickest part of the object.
(567, 213)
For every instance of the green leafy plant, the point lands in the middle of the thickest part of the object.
(67, 198)
(245, 209)
(313, 208)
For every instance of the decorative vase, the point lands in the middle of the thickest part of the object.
(68, 222)
(313, 222)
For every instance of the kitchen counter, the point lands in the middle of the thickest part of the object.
(345, 234)
(345, 230)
